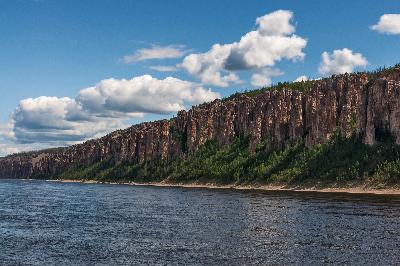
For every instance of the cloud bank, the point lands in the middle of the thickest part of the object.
(273, 40)
(100, 109)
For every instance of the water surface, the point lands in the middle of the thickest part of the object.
(48, 223)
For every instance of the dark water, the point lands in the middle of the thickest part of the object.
(47, 223)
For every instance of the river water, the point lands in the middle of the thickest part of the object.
(51, 223)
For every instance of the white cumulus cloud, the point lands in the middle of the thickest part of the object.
(388, 23)
(208, 66)
(341, 61)
(276, 23)
(264, 77)
(53, 119)
(272, 41)
(142, 94)
(6, 132)
(156, 52)
(97, 110)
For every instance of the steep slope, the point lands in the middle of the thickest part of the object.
(361, 105)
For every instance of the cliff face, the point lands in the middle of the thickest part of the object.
(349, 103)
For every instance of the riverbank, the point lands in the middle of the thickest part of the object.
(354, 188)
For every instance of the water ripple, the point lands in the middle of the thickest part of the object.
(47, 223)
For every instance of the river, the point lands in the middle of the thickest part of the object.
(54, 223)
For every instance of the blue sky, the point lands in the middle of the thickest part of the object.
(57, 48)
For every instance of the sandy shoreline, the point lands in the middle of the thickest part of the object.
(350, 190)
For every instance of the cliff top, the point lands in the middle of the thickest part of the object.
(307, 85)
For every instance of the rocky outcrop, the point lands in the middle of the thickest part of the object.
(349, 103)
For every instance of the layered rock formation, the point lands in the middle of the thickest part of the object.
(349, 103)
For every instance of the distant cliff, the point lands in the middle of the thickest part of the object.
(362, 104)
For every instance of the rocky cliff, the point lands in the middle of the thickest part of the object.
(362, 104)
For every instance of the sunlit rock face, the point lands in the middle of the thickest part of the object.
(349, 104)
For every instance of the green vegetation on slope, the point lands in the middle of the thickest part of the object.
(304, 86)
(301, 86)
(340, 160)
(372, 75)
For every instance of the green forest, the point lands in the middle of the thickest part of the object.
(340, 160)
